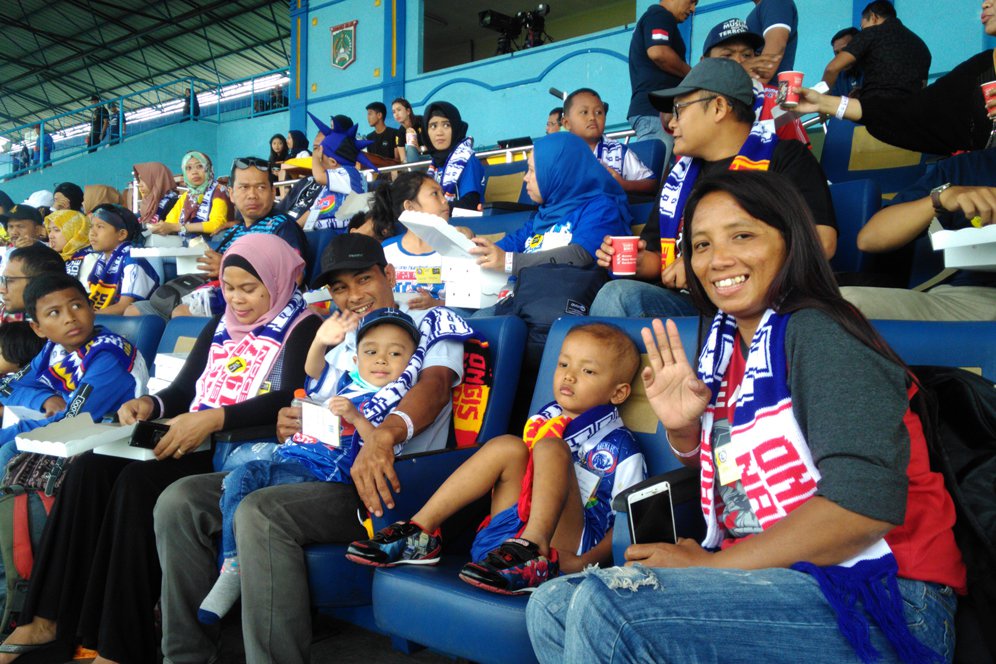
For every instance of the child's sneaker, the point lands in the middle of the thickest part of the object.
(514, 568)
(401, 543)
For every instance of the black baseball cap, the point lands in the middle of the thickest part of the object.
(22, 212)
(719, 75)
(349, 251)
(390, 316)
(732, 28)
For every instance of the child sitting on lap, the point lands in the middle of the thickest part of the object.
(385, 342)
(581, 456)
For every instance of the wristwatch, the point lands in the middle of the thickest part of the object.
(935, 197)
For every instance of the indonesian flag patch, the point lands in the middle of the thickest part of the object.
(659, 35)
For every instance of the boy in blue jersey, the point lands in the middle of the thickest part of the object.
(550, 497)
(333, 165)
(82, 368)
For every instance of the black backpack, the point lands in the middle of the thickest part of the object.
(958, 411)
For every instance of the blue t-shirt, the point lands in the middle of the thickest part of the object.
(657, 27)
(977, 169)
(777, 14)
(585, 226)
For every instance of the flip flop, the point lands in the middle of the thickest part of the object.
(22, 648)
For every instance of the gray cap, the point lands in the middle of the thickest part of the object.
(719, 75)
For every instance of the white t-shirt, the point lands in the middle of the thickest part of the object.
(633, 168)
(413, 271)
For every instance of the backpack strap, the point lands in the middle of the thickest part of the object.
(24, 559)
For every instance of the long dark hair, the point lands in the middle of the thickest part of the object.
(804, 280)
(389, 202)
(299, 142)
(276, 156)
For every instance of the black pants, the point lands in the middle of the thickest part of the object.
(97, 572)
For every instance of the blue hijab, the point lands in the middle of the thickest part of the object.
(572, 182)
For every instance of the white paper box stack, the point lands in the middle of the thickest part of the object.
(186, 257)
(71, 436)
(968, 248)
(168, 365)
(467, 283)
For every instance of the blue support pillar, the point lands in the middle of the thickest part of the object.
(298, 89)
(395, 14)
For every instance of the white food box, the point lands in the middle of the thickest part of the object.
(122, 448)
(14, 414)
(71, 436)
(968, 248)
(168, 365)
(186, 257)
(467, 283)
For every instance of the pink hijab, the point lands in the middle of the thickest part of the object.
(278, 267)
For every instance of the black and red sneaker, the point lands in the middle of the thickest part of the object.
(514, 568)
(401, 543)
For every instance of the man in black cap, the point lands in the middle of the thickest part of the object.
(270, 533)
(24, 225)
(714, 130)
(99, 123)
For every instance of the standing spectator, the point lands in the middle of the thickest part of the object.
(99, 124)
(385, 139)
(656, 61)
(68, 196)
(778, 22)
(42, 145)
(894, 61)
(555, 120)
(849, 79)
(115, 123)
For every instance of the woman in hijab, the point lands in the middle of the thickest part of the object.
(580, 203)
(98, 572)
(96, 195)
(69, 234)
(298, 144)
(158, 190)
(204, 207)
(68, 196)
(278, 152)
(454, 165)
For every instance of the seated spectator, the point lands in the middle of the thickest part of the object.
(584, 116)
(957, 191)
(102, 518)
(410, 126)
(82, 368)
(42, 200)
(778, 22)
(375, 226)
(418, 268)
(158, 191)
(297, 144)
(279, 152)
(385, 140)
(550, 498)
(68, 196)
(22, 266)
(333, 166)
(204, 208)
(454, 165)
(811, 499)
(947, 116)
(555, 120)
(894, 62)
(69, 234)
(117, 279)
(714, 129)
(579, 205)
(277, 625)
(95, 195)
(732, 40)
(24, 225)
(18, 346)
(848, 80)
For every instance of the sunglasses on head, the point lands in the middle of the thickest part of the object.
(243, 163)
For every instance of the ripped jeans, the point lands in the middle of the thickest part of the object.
(637, 614)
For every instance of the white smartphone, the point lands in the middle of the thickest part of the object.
(651, 515)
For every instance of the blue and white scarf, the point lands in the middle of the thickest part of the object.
(203, 209)
(105, 278)
(611, 153)
(237, 371)
(778, 475)
(63, 372)
(333, 464)
(449, 175)
(268, 224)
(755, 155)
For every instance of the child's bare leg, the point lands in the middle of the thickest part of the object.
(556, 517)
(499, 465)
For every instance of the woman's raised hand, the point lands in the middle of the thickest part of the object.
(334, 329)
(677, 396)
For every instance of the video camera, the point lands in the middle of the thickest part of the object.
(510, 27)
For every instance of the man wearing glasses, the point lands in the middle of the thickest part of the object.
(714, 129)
(21, 266)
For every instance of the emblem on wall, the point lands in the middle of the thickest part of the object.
(344, 44)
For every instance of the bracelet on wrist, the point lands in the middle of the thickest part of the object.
(509, 262)
(685, 455)
(408, 423)
(841, 108)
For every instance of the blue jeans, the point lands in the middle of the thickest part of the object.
(628, 298)
(244, 480)
(637, 614)
(649, 127)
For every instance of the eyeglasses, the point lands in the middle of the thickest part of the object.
(243, 163)
(4, 279)
(684, 104)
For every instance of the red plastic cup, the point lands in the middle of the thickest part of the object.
(624, 250)
(786, 81)
(988, 92)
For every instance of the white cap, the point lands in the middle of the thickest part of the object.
(41, 198)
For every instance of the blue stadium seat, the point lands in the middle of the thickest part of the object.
(503, 182)
(651, 153)
(143, 331)
(854, 203)
(343, 589)
(317, 241)
(851, 153)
